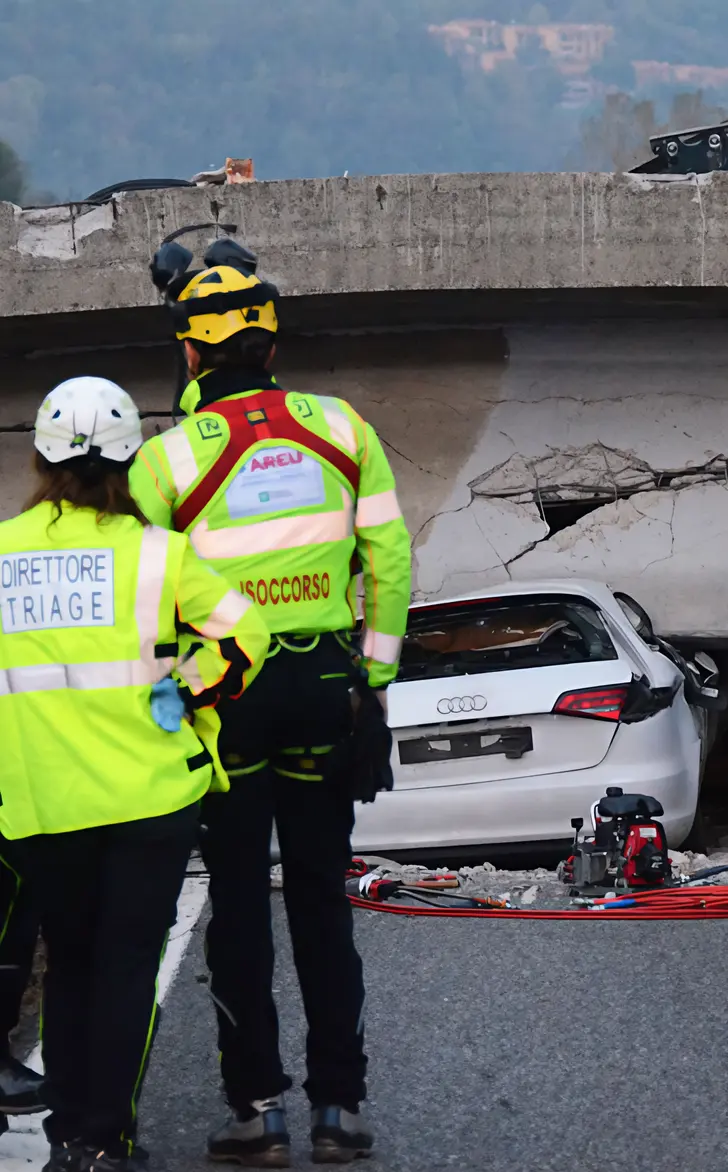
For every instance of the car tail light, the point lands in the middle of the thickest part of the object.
(600, 703)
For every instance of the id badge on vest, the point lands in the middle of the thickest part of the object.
(279, 479)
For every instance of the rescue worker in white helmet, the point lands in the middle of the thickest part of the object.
(102, 774)
(280, 492)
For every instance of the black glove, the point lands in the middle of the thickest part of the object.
(363, 758)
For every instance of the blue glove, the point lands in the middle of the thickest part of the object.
(168, 707)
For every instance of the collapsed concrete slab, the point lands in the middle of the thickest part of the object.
(381, 233)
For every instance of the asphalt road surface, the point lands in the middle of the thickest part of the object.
(506, 1047)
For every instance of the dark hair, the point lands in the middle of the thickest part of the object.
(86, 482)
(250, 348)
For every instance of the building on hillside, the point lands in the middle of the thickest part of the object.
(663, 73)
(573, 48)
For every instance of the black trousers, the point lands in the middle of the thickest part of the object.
(19, 929)
(107, 899)
(300, 702)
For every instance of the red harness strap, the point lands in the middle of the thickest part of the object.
(252, 419)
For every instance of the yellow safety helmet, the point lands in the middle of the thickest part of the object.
(233, 301)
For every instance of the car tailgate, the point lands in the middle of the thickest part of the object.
(503, 693)
(498, 725)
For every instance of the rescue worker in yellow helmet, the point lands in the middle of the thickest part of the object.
(280, 491)
(101, 774)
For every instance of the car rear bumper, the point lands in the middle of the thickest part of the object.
(533, 809)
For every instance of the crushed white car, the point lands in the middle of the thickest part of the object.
(516, 708)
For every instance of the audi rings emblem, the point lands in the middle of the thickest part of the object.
(462, 704)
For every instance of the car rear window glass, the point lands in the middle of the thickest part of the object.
(502, 634)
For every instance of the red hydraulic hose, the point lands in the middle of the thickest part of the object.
(671, 903)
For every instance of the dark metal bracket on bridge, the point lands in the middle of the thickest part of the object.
(688, 152)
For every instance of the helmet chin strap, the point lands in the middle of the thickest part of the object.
(182, 380)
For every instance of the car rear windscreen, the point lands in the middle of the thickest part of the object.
(532, 630)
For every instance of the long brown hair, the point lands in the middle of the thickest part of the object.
(85, 482)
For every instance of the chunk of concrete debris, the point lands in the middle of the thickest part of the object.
(476, 872)
(688, 862)
(530, 895)
(718, 858)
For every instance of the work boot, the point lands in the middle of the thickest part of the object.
(65, 1157)
(21, 1089)
(339, 1136)
(257, 1137)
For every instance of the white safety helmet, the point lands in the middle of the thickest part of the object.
(87, 412)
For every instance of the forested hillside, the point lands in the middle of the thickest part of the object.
(92, 91)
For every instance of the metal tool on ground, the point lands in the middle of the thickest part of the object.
(373, 886)
(627, 849)
(438, 890)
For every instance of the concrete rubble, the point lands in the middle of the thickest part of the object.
(536, 888)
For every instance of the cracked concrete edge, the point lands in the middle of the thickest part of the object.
(522, 504)
(369, 234)
(631, 543)
(545, 478)
(626, 543)
(484, 551)
(618, 515)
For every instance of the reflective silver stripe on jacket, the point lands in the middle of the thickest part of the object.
(225, 617)
(377, 509)
(150, 586)
(383, 648)
(261, 537)
(52, 677)
(181, 456)
(190, 673)
(340, 425)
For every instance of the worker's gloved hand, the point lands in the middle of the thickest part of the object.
(381, 695)
(363, 758)
(168, 707)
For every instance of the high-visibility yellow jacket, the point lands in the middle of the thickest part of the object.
(284, 493)
(90, 618)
